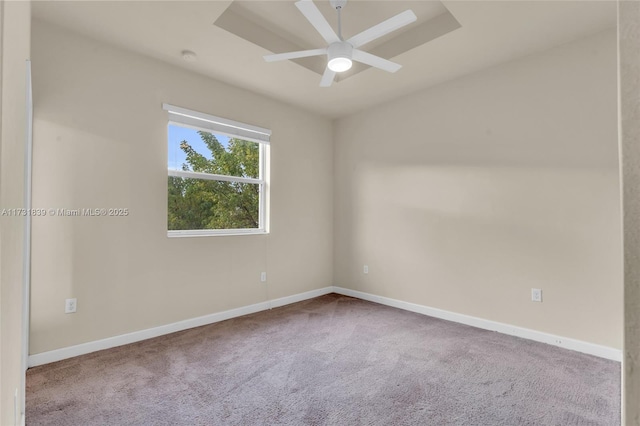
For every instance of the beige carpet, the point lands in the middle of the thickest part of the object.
(333, 360)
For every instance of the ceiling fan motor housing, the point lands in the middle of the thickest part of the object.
(339, 54)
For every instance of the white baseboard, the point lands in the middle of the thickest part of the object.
(276, 303)
(136, 336)
(538, 336)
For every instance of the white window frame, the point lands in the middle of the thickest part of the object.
(209, 123)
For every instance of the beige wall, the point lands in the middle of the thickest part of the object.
(629, 39)
(483, 188)
(15, 18)
(465, 196)
(100, 141)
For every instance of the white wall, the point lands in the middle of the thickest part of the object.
(100, 141)
(15, 21)
(465, 196)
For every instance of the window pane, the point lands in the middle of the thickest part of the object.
(205, 204)
(204, 152)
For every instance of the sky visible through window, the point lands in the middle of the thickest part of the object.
(177, 134)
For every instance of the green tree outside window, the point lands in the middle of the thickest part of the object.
(209, 204)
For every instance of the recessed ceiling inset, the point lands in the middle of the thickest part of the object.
(340, 52)
(277, 27)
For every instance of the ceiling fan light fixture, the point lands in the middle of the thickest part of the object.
(339, 55)
(340, 64)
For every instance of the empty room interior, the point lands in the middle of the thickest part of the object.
(320, 212)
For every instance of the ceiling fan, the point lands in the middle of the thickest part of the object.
(340, 53)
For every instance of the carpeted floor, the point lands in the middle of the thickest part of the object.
(333, 360)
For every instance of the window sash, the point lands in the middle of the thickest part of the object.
(209, 176)
(261, 229)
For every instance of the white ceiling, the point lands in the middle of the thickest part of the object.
(491, 32)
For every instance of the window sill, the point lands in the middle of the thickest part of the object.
(215, 233)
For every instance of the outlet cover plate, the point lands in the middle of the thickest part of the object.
(536, 295)
(70, 306)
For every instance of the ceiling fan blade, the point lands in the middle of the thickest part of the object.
(374, 61)
(383, 28)
(313, 15)
(294, 55)
(327, 78)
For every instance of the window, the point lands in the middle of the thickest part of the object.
(216, 171)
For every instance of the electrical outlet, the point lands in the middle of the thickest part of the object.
(536, 295)
(70, 306)
(263, 277)
(365, 269)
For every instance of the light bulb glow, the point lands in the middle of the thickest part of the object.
(340, 64)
